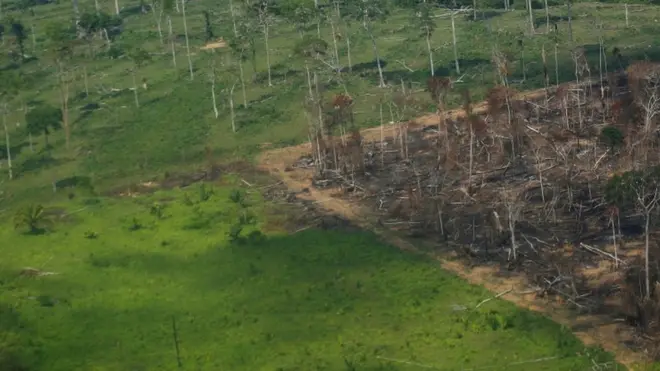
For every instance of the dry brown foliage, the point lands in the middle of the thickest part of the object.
(438, 87)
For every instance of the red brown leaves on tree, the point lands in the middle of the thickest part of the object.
(438, 87)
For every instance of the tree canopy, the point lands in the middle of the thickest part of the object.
(43, 119)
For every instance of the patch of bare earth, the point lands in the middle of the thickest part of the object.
(407, 185)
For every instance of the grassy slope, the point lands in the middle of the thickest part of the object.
(279, 303)
(175, 122)
(310, 301)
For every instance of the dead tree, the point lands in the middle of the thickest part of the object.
(647, 199)
(513, 206)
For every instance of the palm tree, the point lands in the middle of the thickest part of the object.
(33, 219)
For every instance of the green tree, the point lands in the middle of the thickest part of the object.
(208, 28)
(43, 119)
(17, 29)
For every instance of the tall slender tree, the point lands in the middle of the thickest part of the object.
(426, 24)
(239, 47)
(185, 33)
(262, 11)
(139, 57)
(368, 12)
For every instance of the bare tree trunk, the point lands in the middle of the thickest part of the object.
(85, 81)
(547, 15)
(471, 160)
(117, 7)
(159, 18)
(7, 144)
(270, 82)
(474, 10)
(169, 24)
(64, 96)
(34, 39)
(185, 32)
(453, 38)
(382, 137)
(97, 7)
(233, 17)
(570, 22)
(531, 18)
(215, 105)
(556, 66)
(428, 48)
(512, 230)
(616, 250)
(375, 47)
(240, 68)
(646, 253)
(309, 81)
(231, 108)
(626, 9)
(334, 43)
(135, 90)
(348, 51)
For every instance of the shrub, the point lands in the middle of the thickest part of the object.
(612, 137)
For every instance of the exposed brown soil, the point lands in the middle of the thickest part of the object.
(592, 327)
(220, 43)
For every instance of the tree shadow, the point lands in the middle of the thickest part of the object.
(37, 161)
(554, 20)
(484, 15)
(133, 10)
(371, 66)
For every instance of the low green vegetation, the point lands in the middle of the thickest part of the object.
(102, 288)
(94, 280)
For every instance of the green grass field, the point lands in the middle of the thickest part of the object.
(315, 300)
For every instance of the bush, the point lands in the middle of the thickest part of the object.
(612, 137)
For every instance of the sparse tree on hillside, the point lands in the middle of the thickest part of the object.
(367, 12)
(247, 39)
(261, 10)
(185, 33)
(10, 85)
(158, 7)
(238, 46)
(139, 57)
(62, 40)
(426, 23)
(342, 16)
(310, 49)
(302, 17)
(43, 119)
